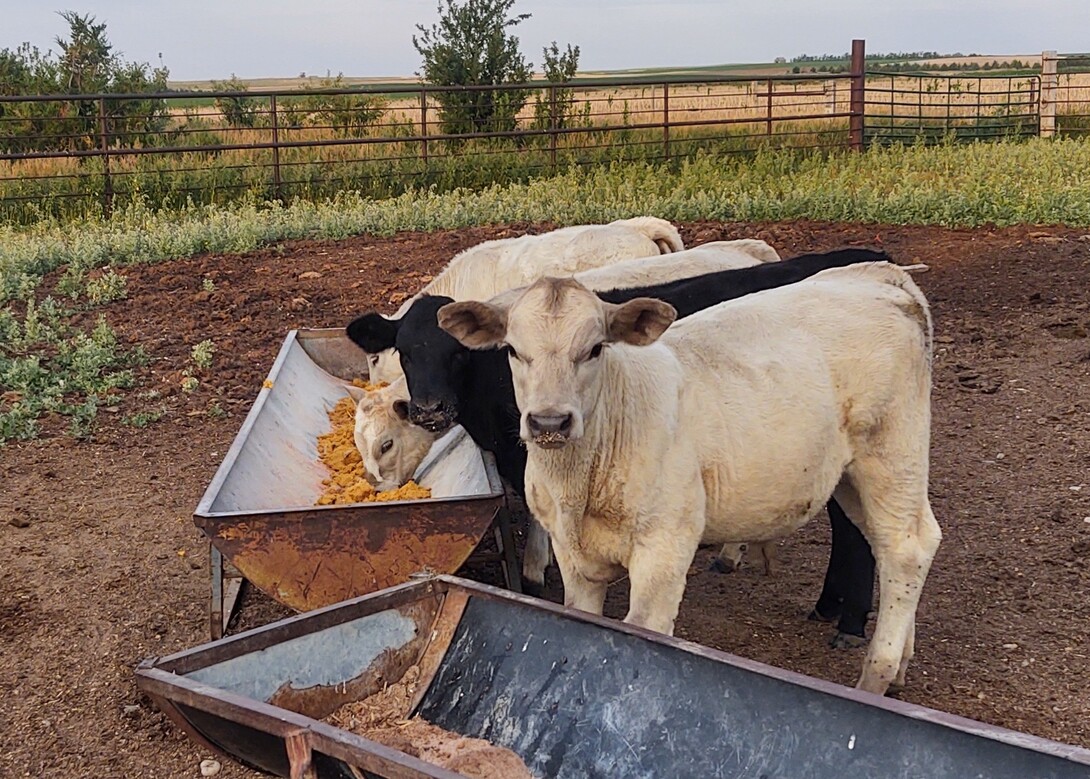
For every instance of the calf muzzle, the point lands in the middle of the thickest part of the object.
(435, 417)
(549, 431)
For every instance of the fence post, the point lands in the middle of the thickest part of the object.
(275, 122)
(424, 125)
(104, 144)
(1049, 83)
(665, 121)
(857, 104)
(552, 125)
(768, 114)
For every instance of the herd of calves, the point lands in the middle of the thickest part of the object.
(645, 399)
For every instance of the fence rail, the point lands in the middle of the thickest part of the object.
(63, 154)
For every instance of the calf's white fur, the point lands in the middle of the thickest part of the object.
(490, 267)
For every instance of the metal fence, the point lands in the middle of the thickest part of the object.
(69, 154)
(1066, 94)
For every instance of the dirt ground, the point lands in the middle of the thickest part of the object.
(102, 566)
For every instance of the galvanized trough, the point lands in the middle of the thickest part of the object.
(574, 695)
(258, 512)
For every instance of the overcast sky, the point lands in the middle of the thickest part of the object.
(201, 39)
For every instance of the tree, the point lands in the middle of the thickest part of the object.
(559, 68)
(239, 112)
(85, 65)
(471, 46)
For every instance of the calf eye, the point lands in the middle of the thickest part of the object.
(597, 350)
(386, 446)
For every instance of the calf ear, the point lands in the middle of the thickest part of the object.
(357, 393)
(401, 409)
(640, 321)
(475, 324)
(373, 332)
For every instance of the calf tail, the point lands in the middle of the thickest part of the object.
(662, 232)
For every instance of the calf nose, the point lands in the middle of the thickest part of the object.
(546, 424)
(430, 416)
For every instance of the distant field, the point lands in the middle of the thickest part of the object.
(732, 69)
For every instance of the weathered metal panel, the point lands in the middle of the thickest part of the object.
(316, 673)
(577, 695)
(576, 700)
(308, 559)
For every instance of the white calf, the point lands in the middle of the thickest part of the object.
(390, 445)
(737, 425)
(483, 270)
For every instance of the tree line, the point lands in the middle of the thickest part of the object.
(471, 45)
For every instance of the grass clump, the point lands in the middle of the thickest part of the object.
(48, 367)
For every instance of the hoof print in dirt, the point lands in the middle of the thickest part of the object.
(972, 380)
(1068, 329)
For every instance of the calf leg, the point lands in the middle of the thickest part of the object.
(729, 558)
(848, 590)
(770, 556)
(904, 536)
(536, 558)
(656, 574)
(579, 592)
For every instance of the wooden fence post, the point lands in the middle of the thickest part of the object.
(1049, 84)
(857, 104)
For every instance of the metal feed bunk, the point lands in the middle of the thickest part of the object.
(572, 694)
(262, 524)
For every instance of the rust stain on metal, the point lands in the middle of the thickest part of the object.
(312, 558)
(320, 701)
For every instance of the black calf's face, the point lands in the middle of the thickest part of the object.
(433, 361)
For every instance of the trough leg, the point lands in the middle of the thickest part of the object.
(226, 591)
(505, 540)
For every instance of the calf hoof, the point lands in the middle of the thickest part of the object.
(534, 590)
(817, 616)
(847, 641)
(719, 565)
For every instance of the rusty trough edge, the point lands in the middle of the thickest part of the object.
(281, 723)
(292, 627)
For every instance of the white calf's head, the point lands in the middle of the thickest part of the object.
(384, 366)
(557, 333)
(391, 447)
